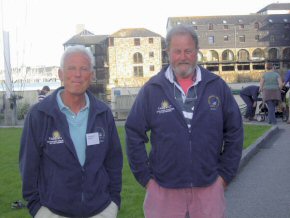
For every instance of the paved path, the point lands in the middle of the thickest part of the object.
(262, 186)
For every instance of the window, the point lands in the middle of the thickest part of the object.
(286, 36)
(136, 41)
(211, 40)
(226, 38)
(228, 68)
(243, 55)
(137, 58)
(210, 26)
(151, 54)
(152, 68)
(226, 27)
(138, 71)
(111, 41)
(243, 67)
(242, 38)
(257, 37)
(242, 26)
(272, 38)
(150, 40)
(227, 55)
(213, 68)
(273, 54)
(257, 26)
(195, 27)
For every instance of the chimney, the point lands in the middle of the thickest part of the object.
(80, 28)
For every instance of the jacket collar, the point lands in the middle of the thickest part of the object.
(170, 75)
(49, 104)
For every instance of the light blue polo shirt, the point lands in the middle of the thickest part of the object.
(77, 126)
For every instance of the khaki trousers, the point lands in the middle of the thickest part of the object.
(109, 212)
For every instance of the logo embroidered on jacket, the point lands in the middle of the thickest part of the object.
(165, 107)
(213, 102)
(55, 138)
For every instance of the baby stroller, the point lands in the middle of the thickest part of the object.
(282, 109)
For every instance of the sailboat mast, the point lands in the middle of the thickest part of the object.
(7, 64)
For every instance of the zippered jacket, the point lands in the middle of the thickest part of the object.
(51, 173)
(182, 157)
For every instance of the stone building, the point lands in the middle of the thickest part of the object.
(237, 47)
(134, 55)
(127, 58)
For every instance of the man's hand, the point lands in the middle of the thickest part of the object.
(222, 181)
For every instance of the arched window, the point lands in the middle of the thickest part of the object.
(227, 55)
(273, 54)
(286, 54)
(243, 55)
(212, 56)
(137, 58)
(258, 54)
(199, 57)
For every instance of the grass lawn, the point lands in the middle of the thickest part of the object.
(132, 192)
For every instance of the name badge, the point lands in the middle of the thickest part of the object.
(93, 138)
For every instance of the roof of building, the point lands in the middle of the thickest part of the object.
(228, 19)
(86, 38)
(134, 32)
(276, 6)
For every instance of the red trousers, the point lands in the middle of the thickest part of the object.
(205, 202)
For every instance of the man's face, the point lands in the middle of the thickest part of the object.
(76, 75)
(182, 55)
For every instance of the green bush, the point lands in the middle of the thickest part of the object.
(22, 110)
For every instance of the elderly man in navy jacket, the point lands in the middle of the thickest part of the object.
(70, 156)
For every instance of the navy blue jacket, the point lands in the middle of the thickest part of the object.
(181, 157)
(251, 91)
(51, 173)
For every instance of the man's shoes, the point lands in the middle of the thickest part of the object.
(17, 204)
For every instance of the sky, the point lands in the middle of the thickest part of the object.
(38, 28)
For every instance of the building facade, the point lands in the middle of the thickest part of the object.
(98, 46)
(134, 55)
(237, 47)
(126, 58)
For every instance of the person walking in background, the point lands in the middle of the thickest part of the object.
(43, 92)
(270, 86)
(287, 79)
(287, 85)
(250, 95)
(196, 134)
(70, 155)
